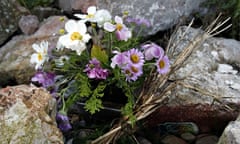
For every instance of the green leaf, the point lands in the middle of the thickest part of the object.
(99, 53)
(93, 105)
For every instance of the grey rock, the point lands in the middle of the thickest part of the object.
(27, 115)
(204, 70)
(206, 95)
(15, 55)
(231, 133)
(45, 12)
(28, 24)
(162, 14)
(78, 5)
(9, 19)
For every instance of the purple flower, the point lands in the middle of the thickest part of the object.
(138, 21)
(163, 65)
(120, 59)
(132, 72)
(152, 50)
(122, 32)
(63, 122)
(95, 71)
(46, 79)
(135, 57)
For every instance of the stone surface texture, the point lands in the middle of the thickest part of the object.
(162, 14)
(27, 115)
(75, 5)
(10, 13)
(231, 133)
(28, 24)
(15, 55)
(210, 94)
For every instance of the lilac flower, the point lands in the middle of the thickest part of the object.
(136, 57)
(163, 65)
(63, 122)
(132, 72)
(138, 21)
(122, 32)
(95, 71)
(46, 79)
(120, 59)
(152, 50)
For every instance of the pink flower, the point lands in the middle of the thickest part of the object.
(122, 32)
(163, 65)
(132, 72)
(95, 71)
(120, 59)
(135, 57)
(152, 50)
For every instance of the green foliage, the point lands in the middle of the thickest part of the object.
(100, 54)
(94, 103)
(228, 8)
(33, 3)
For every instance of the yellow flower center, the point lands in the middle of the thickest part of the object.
(40, 57)
(135, 58)
(90, 16)
(76, 36)
(161, 64)
(119, 26)
(134, 69)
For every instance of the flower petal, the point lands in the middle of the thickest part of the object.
(81, 16)
(109, 27)
(36, 47)
(86, 38)
(81, 27)
(91, 10)
(118, 19)
(71, 26)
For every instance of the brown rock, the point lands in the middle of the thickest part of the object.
(28, 24)
(27, 115)
(15, 55)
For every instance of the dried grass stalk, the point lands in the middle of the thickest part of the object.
(150, 99)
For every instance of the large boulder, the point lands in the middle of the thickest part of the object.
(10, 13)
(15, 64)
(27, 115)
(209, 92)
(163, 14)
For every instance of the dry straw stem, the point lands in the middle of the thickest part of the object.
(157, 87)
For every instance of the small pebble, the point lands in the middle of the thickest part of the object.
(189, 137)
(171, 139)
(208, 139)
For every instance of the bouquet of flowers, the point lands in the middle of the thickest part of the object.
(94, 54)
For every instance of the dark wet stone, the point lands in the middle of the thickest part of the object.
(171, 139)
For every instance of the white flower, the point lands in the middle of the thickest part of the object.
(41, 54)
(97, 16)
(102, 16)
(76, 37)
(90, 16)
